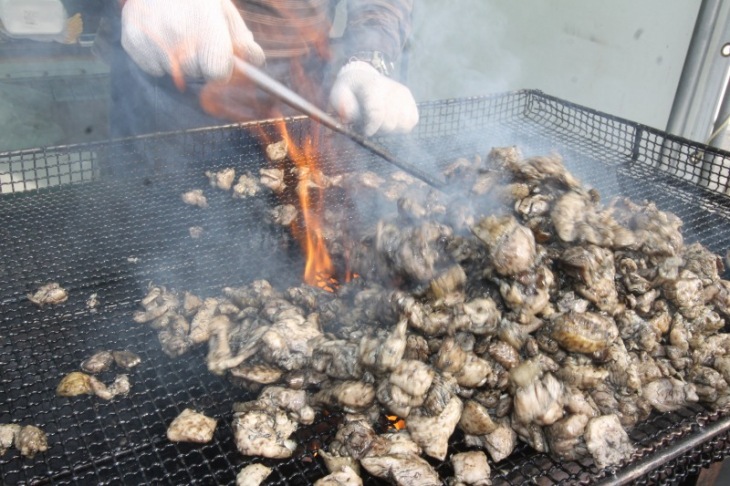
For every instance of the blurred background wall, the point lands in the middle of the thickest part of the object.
(622, 57)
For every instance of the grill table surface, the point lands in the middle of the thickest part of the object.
(120, 224)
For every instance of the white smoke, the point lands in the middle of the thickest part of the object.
(460, 49)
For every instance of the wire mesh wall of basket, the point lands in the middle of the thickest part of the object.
(106, 219)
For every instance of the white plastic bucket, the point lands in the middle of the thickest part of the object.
(32, 17)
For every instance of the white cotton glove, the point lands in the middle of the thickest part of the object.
(379, 104)
(195, 38)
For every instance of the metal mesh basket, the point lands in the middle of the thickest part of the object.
(106, 219)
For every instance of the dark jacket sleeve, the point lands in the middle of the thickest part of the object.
(378, 25)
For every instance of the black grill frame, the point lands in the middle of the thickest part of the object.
(106, 218)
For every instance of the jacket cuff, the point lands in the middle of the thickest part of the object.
(376, 59)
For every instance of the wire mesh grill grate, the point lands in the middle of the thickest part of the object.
(120, 224)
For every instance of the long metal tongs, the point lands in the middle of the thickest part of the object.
(286, 95)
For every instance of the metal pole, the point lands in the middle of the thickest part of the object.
(697, 53)
(721, 121)
(662, 456)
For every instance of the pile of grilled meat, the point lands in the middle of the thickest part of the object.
(514, 306)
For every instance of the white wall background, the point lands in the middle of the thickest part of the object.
(621, 56)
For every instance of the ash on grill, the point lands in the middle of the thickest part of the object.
(519, 308)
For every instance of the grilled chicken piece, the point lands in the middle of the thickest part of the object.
(475, 419)
(8, 432)
(273, 179)
(126, 359)
(335, 462)
(511, 246)
(294, 402)
(283, 215)
(345, 476)
(499, 444)
(195, 198)
(538, 398)
(402, 469)
(252, 475)
(223, 179)
(98, 362)
(384, 353)
(49, 294)
(247, 186)
(288, 344)
(30, 440)
(669, 394)
(78, 383)
(277, 151)
(264, 433)
(607, 441)
(433, 433)
(470, 469)
(191, 426)
(120, 386)
(565, 437)
(353, 396)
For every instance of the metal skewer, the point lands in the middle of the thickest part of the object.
(281, 92)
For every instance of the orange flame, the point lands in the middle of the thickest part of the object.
(237, 99)
(319, 269)
(396, 422)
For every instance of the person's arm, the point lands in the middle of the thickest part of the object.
(379, 27)
(364, 93)
(187, 38)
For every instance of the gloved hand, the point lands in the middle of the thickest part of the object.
(381, 105)
(193, 38)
